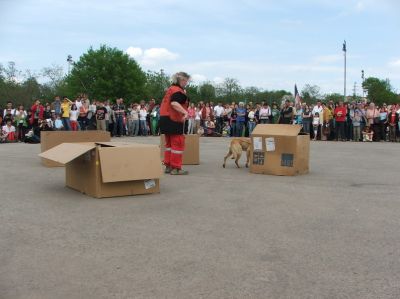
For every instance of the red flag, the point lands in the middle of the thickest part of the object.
(297, 98)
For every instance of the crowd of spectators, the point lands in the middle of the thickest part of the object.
(353, 121)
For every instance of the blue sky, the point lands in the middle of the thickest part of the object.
(267, 44)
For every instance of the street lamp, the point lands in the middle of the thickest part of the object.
(70, 62)
(363, 79)
(344, 52)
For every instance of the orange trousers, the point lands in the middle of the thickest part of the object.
(174, 147)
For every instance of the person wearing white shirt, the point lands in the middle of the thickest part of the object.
(320, 110)
(218, 112)
(142, 120)
(264, 114)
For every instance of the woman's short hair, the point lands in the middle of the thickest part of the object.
(176, 78)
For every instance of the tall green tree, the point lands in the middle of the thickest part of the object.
(207, 91)
(156, 84)
(107, 73)
(379, 91)
(311, 93)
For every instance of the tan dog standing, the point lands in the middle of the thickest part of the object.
(237, 146)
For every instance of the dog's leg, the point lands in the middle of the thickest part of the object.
(238, 155)
(248, 157)
(226, 157)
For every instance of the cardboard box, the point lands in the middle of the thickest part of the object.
(191, 155)
(50, 139)
(279, 150)
(107, 169)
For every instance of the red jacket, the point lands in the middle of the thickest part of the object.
(33, 109)
(166, 108)
(340, 114)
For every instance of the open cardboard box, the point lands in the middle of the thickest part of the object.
(191, 154)
(107, 169)
(50, 139)
(279, 150)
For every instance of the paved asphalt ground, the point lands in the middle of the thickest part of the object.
(217, 233)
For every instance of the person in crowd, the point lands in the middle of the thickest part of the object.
(383, 114)
(197, 119)
(275, 113)
(56, 105)
(37, 110)
(210, 128)
(368, 134)
(9, 112)
(219, 113)
(91, 115)
(8, 132)
(191, 118)
(173, 114)
(20, 121)
(73, 118)
(47, 111)
(373, 120)
(134, 120)
(82, 116)
(318, 109)
(326, 122)
(356, 122)
(251, 120)
(101, 113)
(233, 120)
(264, 114)
(143, 120)
(119, 111)
(299, 114)
(340, 118)
(393, 120)
(307, 118)
(287, 114)
(206, 111)
(65, 109)
(316, 125)
(240, 119)
(58, 124)
(154, 118)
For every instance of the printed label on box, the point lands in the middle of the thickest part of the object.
(257, 143)
(258, 158)
(270, 144)
(287, 160)
(148, 184)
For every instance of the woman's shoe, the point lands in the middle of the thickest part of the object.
(176, 171)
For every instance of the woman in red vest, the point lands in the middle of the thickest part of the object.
(173, 113)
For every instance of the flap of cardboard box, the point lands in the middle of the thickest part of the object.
(66, 152)
(276, 130)
(130, 163)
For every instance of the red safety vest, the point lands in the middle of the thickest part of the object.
(167, 110)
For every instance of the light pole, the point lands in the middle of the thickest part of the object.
(362, 78)
(344, 52)
(70, 62)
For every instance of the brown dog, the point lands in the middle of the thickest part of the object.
(235, 150)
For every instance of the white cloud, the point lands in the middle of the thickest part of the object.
(360, 6)
(218, 80)
(395, 63)
(152, 56)
(198, 78)
(134, 52)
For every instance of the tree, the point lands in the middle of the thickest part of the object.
(310, 93)
(107, 73)
(334, 97)
(156, 84)
(207, 91)
(379, 91)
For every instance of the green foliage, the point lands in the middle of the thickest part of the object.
(107, 73)
(310, 93)
(156, 84)
(207, 91)
(380, 91)
(334, 97)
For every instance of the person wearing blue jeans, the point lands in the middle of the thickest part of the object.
(240, 119)
(119, 110)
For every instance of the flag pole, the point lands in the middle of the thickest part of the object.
(345, 62)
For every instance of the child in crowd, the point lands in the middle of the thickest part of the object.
(368, 134)
(8, 132)
(73, 117)
(210, 127)
(226, 129)
(356, 121)
(316, 123)
(58, 124)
